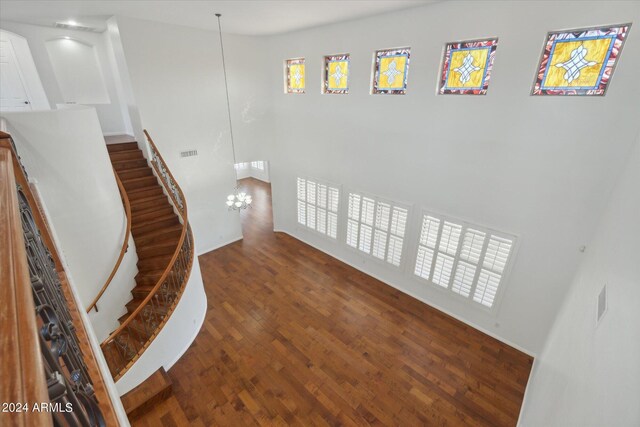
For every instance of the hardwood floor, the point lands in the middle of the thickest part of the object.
(295, 337)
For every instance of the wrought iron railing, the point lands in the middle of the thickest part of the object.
(127, 343)
(70, 370)
(68, 379)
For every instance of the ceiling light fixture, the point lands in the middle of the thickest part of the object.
(238, 200)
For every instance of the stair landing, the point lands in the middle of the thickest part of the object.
(142, 399)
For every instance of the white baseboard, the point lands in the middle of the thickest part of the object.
(536, 362)
(115, 133)
(213, 248)
(419, 298)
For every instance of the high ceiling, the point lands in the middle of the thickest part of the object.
(249, 17)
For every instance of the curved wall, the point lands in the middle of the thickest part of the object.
(175, 337)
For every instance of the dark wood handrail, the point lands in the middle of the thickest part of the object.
(21, 368)
(181, 206)
(96, 375)
(125, 242)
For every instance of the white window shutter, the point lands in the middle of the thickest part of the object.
(302, 189)
(318, 206)
(352, 233)
(478, 257)
(302, 212)
(365, 238)
(332, 225)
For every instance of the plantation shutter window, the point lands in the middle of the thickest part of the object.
(495, 261)
(376, 227)
(318, 206)
(465, 259)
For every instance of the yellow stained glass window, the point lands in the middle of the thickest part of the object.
(579, 62)
(336, 74)
(295, 75)
(390, 71)
(466, 67)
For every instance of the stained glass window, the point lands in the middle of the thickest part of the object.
(466, 67)
(336, 74)
(295, 76)
(579, 62)
(390, 71)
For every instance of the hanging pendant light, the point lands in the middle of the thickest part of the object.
(238, 200)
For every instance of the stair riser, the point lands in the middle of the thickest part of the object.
(145, 182)
(141, 206)
(146, 240)
(153, 264)
(143, 194)
(139, 294)
(147, 228)
(126, 155)
(129, 164)
(113, 148)
(151, 215)
(157, 251)
(134, 173)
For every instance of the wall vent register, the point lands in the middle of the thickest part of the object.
(318, 206)
(467, 260)
(376, 227)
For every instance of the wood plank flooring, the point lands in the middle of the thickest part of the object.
(293, 336)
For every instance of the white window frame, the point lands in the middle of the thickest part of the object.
(465, 225)
(318, 207)
(375, 226)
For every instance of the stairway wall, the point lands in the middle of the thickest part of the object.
(588, 374)
(175, 337)
(64, 151)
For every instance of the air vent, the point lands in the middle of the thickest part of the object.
(602, 304)
(75, 27)
(189, 153)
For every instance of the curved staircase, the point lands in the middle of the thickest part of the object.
(164, 245)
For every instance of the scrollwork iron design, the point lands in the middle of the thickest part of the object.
(69, 384)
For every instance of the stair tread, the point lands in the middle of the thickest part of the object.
(158, 235)
(130, 150)
(133, 191)
(139, 169)
(151, 209)
(139, 178)
(146, 223)
(119, 165)
(121, 146)
(148, 199)
(155, 389)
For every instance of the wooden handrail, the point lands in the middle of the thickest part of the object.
(176, 202)
(125, 242)
(181, 206)
(21, 368)
(96, 375)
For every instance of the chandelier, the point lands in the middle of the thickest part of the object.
(239, 199)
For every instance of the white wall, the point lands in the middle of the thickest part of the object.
(64, 151)
(109, 114)
(175, 337)
(176, 76)
(538, 167)
(587, 375)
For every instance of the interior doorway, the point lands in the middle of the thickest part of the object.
(253, 179)
(20, 85)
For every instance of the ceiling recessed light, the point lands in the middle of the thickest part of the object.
(72, 23)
